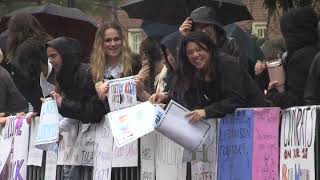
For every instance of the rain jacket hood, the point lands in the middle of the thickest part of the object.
(299, 28)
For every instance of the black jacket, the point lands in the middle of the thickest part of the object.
(79, 97)
(11, 100)
(25, 70)
(232, 88)
(312, 91)
(299, 30)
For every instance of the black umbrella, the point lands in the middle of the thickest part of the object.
(60, 21)
(175, 11)
(154, 29)
(245, 42)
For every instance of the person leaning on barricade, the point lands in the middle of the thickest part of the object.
(76, 96)
(112, 58)
(210, 83)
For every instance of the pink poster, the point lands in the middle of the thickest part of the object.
(265, 144)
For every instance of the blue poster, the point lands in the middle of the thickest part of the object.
(235, 146)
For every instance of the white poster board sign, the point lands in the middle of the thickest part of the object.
(48, 129)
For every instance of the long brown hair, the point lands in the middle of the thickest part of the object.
(21, 27)
(98, 56)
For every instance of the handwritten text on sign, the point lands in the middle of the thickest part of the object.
(297, 143)
(48, 129)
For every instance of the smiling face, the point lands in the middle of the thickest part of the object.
(197, 55)
(112, 42)
(54, 58)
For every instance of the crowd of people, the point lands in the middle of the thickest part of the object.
(198, 66)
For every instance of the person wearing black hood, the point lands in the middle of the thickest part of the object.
(299, 31)
(76, 96)
(312, 91)
(205, 19)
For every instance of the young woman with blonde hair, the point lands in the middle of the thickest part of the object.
(112, 58)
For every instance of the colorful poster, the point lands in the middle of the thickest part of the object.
(35, 154)
(16, 166)
(48, 129)
(122, 93)
(103, 151)
(134, 122)
(168, 156)
(125, 156)
(147, 155)
(266, 144)
(297, 143)
(235, 146)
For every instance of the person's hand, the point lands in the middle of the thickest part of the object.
(259, 67)
(57, 97)
(102, 89)
(186, 27)
(158, 98)
(272, 85)
(196, 115)
(2, 114)
(144, 72)
(138, 81)
(30, 117)
(3, 120)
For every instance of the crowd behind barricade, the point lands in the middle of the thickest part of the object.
(199, 67)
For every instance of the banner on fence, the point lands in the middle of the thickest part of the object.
(125, 156)
(5, 152)
(147, 156)
(297, 143)
(169, 159)
(103, 151)
(51, 165)
(35, 154)
(16, 166)
(48, 129)
(203, 170)
(122, 93)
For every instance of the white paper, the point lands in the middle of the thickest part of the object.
(51, 166)
(132, 123)
(297, 153)
(203, 170)
(147, 154)
(176, 127)
(125, 156)
(103, 151)
(67, 144)
(122, 93)
(5, 146)
(48, 129)
(83, 150)
(169, 159)
(35, 154)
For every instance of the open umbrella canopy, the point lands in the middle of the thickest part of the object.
(174, 12)
(60, 21)
(245, 42)
(157, 29)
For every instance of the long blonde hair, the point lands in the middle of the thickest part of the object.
(98, 56)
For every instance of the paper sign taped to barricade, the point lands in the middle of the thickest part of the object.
(168, 162)
(134, 122)
(103, 151)
(16, 165)
(51, 166)
(297, 143)
(147, 156)
(35, 154)
(125, 156)
(177, 127)
(122, 93)
(48, 129)
(203, 170)
(5, 146)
